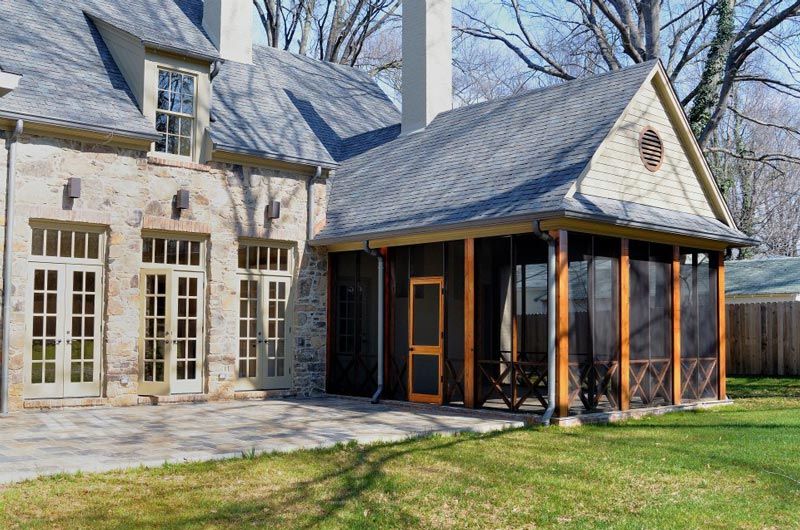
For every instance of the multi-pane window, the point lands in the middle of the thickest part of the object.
(175, 112)
(249, 338)
(53, 242)
(167, 251)
(263, 258)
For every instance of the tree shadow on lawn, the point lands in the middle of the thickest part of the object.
(362, 474)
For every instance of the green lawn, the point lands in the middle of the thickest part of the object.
(733, 467)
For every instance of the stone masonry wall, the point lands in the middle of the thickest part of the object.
(125, 190)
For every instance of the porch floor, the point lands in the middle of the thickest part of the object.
(36, 443)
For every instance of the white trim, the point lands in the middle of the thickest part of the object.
(8, 81)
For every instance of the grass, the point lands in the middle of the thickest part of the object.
(731, 467)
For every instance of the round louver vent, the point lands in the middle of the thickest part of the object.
(651, 149)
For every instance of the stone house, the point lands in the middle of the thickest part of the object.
(189, 212)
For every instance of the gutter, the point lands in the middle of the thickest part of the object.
(7, 257)
(551, 322)
(55, 122)
(377, 255)
(258, 153)
(538, 216)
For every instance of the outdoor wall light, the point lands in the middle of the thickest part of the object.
(182, 200)
(74, 188)
(274, 210)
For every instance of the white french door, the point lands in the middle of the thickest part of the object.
(172, 336)
(265, 352)
(63, 343)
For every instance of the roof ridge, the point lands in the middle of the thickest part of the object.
(539, 90)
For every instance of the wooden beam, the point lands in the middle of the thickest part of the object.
(469, 323)
(562, 325)
(590, 226)
(722, 341)
(624, 326)
(676, 325)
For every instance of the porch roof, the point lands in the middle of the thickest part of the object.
(512, 159)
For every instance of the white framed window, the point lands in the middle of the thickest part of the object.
(254, 257)
(169, 250)
(175, 112)
(49, 241)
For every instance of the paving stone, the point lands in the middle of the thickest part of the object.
(45, 442)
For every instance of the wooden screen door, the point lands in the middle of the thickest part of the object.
(426, 339)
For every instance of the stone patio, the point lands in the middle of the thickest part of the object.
(102, 439)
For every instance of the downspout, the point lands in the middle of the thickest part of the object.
(377, 255)
(310, 203)
(551, 322)
(7, 257)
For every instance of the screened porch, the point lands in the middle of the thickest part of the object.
(466, 323)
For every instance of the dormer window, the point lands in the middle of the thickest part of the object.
(175, 112)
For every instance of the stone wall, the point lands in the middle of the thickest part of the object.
(126, 191)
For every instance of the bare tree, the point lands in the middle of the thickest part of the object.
(711, 50)
(330, 30)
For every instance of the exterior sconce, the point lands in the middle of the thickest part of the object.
(182, 200)
(273, 210)
(74, 188)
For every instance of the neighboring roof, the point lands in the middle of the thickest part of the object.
(283, 106)
(762, 276)
(509, 159)
(289, 106)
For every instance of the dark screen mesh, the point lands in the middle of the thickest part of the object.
(699, 341)
(593, 322)
(650, 324)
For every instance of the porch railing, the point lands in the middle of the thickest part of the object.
(514, 382)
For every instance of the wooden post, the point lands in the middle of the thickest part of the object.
(624, 326)
(676, 325)
(469, 323)
(562, 325)
(721, 324)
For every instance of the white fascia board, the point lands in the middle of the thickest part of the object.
(9, 81)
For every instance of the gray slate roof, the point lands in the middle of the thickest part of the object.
(292, 107)
(763, 276)
(514, 158)
(285, 106)
(68, 74)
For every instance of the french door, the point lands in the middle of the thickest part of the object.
(63, 343)
(426, 339)
(265, 353)
(172, 334)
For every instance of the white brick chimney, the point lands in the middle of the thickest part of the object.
(427, 62)
(229, 23)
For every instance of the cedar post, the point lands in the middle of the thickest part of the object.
(469, 323)
(722, 341)
(676, 325)
(624, 326)
(562, 325)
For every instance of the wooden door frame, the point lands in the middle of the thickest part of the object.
(428, 350)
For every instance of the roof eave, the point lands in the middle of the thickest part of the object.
(99, 129)
(731, 241)
(268, 155)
